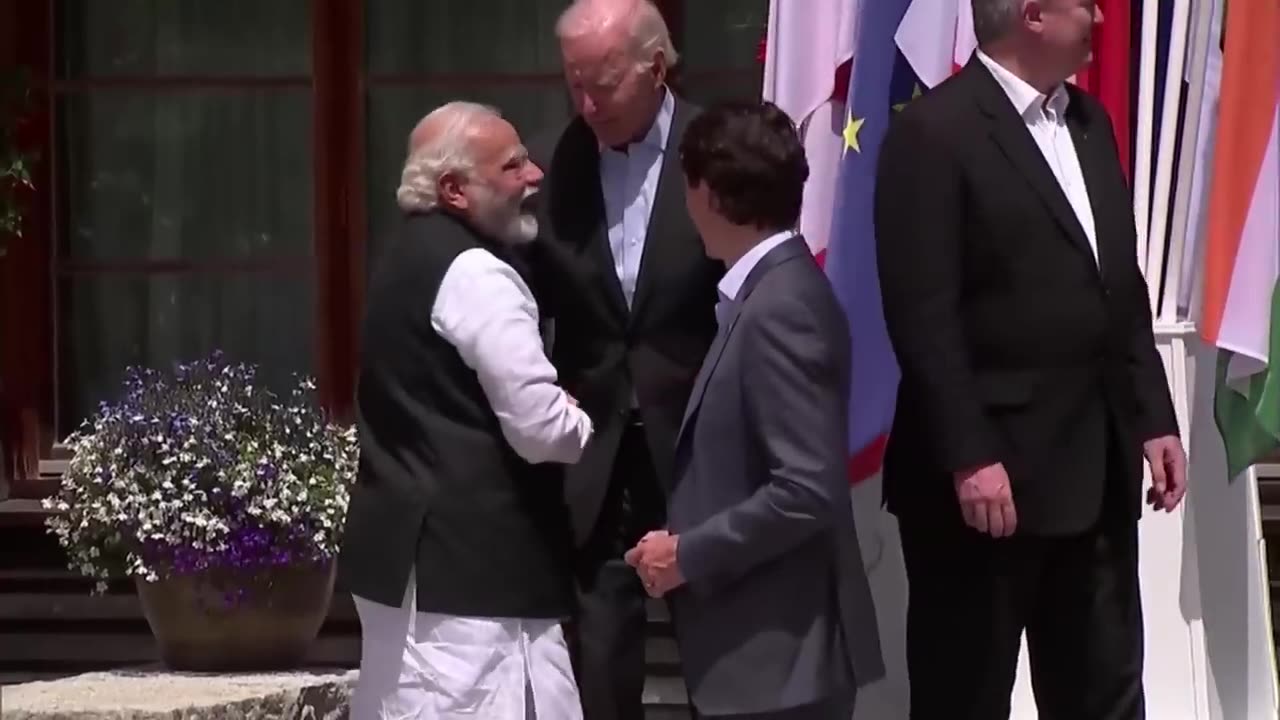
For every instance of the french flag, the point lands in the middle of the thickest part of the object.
(810, 56)
(809, 65)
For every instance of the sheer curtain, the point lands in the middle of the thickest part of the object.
(424, 54)
(504, 52)
(182, 184)
(719, 49)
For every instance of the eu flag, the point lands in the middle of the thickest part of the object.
(881, 82)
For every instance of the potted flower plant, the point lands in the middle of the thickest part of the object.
(222, 500)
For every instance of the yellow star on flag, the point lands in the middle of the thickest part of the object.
(915, 93)
(851, 128)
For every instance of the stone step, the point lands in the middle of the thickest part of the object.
(662, 692)
(155, 695)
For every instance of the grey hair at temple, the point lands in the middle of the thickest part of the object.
(438, 145)
(645, 27)
(993, 19)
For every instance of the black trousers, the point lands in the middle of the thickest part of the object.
(1077, 597)
(609, 629)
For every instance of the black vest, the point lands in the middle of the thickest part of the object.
(439, 489)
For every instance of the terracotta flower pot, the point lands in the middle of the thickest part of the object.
(237, 621)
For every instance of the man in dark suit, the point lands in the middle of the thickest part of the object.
(620, 271)
(1031, 385)
(760, 556)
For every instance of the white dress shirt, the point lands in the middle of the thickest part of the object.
(629, 181)
(1046, 120)
(430, 666)
(731, 282)
(486, 311)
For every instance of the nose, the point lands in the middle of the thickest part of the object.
(532, 174)
(1097, 14)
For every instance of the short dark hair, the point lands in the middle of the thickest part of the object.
(750, 156)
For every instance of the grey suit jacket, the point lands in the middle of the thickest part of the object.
(776, 611)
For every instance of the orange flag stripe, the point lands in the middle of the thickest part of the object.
(1247, 109)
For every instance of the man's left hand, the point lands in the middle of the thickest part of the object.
(654, 559)
(1168, 472)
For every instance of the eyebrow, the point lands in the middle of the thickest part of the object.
(517, 153)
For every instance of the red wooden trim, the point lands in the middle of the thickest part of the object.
(176, 82)
(352, 300)
(324, 174)
(473, 80)
(464, 80)
(281, 266)
(26, 357)
(10, 438)
(338, 60)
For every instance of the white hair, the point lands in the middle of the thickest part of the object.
(646, 29)
(993, 19)
(443, 151)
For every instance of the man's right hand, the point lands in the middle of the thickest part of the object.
(986, 500)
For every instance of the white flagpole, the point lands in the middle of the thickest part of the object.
(1158, 238)
(1201, 34)
(1142, 145)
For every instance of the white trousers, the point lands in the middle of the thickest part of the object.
(427, 666)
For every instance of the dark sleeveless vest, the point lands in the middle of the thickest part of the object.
(439, 488)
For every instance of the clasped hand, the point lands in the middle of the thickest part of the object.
(654, 559)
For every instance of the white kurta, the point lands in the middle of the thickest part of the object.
(427, 666)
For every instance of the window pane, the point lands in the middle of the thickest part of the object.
(393, 111)
(469, 36)
(184, 37)
(112, 322)
(722, 34)
(191, 175)
(707, 90)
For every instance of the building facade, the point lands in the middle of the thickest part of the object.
(214, 175)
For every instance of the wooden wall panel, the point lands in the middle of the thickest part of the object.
(26, 359)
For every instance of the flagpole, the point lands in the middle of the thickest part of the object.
(1201, 34)
(1142, 145)
(1158, 240)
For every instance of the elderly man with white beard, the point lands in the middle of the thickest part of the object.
(457, 548)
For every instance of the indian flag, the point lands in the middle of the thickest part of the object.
(1241, 313)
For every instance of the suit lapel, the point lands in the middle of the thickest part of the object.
(668, 211)
(1095, 163)
(792, 248)
(1010, 132)
(585, 168)
(708, 367)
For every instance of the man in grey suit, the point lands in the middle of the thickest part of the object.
(760, 558)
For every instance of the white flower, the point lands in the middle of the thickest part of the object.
(131, 482)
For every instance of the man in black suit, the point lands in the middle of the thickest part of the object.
(1031, 385)
(621, 272)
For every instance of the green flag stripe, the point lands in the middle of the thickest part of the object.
(1248, 416)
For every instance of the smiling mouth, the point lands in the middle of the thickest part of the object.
(530, 203)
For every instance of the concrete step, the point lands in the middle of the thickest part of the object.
(157, 695)
(665, 698)
(152, 694)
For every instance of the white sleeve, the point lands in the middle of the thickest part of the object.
(485, 310)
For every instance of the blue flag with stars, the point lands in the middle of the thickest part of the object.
(881, 82)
